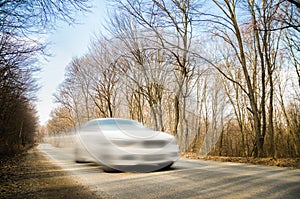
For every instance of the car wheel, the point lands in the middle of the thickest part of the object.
(165, 166)
(109, 169)
(81, 161)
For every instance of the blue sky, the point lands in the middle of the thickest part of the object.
(66, 42)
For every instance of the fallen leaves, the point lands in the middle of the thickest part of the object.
(280, 162)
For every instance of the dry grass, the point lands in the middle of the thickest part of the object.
(34, 176)
(280, 162)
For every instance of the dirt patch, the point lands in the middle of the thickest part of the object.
(32, 175)
(280, 162)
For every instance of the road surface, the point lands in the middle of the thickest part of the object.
(185, 179)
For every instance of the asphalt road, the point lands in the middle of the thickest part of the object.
(185, 179)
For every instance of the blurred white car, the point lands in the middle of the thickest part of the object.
(125, 145)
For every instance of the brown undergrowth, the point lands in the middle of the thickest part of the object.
(32, 175)
(280, 162)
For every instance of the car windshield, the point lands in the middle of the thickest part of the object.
(120, 125)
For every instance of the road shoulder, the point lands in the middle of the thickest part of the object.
(33, 175)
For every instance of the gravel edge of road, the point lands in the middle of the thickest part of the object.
(33, 175)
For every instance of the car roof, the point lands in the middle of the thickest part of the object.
(112, 118)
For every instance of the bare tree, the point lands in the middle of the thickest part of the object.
(73, 93)
(265, 46)
(79, 74)
(143, 63)
(105, 77)
(17, 65)
(21, 24)
(150, 67)
(170, 23)
(23, 18)
(61, 120)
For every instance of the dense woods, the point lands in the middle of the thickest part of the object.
(21, 27)
(222, 75)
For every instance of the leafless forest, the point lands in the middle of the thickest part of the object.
(222, 76)
(21, 27)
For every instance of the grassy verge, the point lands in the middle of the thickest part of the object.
(280, 162)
